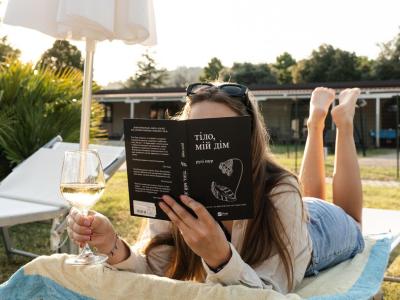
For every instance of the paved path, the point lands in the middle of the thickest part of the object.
(381, 183)
(387, 160)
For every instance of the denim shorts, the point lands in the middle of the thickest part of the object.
(335, 235)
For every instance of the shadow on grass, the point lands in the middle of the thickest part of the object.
(32, 237)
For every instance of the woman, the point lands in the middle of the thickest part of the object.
(289, 236)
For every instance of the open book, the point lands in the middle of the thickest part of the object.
(206, 159)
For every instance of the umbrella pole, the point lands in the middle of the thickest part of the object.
(87, 94)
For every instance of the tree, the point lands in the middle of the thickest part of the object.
(248, 73)
(387, 65)
(212, 71)
(182, 76)
(6, 51)
(365, 66)
(61, 56)
(283, 68)
(328, 64)
(147, 75)
(36, 105)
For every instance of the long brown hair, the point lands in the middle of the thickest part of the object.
(265, 233)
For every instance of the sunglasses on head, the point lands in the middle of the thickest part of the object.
(231, 89)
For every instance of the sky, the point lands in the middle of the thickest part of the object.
(190, 33)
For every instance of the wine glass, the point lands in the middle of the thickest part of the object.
(82, 184)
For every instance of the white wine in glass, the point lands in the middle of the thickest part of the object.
(82, 184)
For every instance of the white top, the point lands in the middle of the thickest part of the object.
(270, 274)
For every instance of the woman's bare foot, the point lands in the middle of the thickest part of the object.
(343, 114)
(321, 99)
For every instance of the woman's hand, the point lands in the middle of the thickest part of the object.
(95, 229)
(202, 234)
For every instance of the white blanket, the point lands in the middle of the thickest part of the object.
(48, 277)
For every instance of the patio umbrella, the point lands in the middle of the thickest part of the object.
(131, 21)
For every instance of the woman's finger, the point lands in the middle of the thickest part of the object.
(73, 226)
(79, 218)
(173, 217)
(83, 230)
(180, 211)
(70, 232)
(78, 237)
(198, 209)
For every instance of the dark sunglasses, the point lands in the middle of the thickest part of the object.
(231, 89)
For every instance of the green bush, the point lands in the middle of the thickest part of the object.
(35, 106)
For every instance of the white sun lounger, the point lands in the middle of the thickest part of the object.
(30, 192)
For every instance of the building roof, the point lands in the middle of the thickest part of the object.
(369, 90)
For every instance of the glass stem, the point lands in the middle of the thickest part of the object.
(85, 250)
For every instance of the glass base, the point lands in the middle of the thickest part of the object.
(87, 259)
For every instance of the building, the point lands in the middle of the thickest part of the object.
(285, 109)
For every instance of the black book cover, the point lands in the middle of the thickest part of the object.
(206, 159)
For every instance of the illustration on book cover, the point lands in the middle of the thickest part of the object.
(225, 193)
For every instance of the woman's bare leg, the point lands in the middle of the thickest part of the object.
(312, 170)
(347, 190)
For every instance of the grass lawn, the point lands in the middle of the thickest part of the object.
(286, 156)
(114, 203)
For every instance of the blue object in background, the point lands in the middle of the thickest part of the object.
(389, 134)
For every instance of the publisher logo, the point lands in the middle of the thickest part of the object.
(221, 213)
